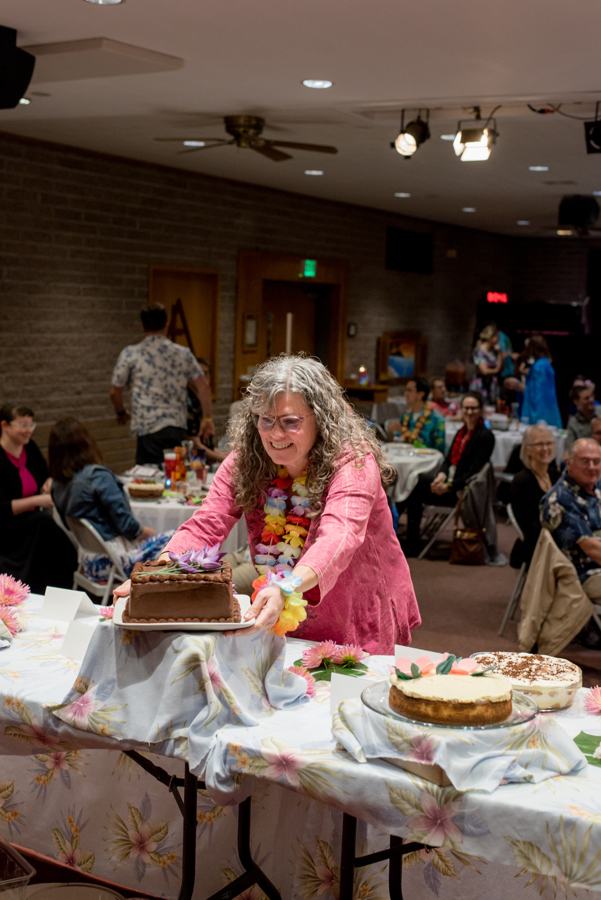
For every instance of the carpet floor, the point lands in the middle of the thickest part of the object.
(462, 607)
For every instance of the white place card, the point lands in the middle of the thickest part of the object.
(64, 605)
(77, 638)
(345, 687)
(415, 653)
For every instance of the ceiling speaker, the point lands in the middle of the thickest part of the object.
(16, 69)
(579, 211)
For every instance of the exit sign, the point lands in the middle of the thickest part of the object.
(496, 297)
(309, 268)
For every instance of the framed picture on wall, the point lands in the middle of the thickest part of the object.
(250, 332)
(401, 355)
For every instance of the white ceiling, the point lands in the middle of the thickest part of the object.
(250, 56)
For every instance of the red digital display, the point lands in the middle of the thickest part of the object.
(496, 297)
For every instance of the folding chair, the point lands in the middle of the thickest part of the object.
(435, 525)
(520, 580)
(90, 541)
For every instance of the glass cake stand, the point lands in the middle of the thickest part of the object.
(375, 697)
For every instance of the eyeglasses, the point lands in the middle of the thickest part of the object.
(544, 444)
(471, 409)
(24, 426)
(289, 424)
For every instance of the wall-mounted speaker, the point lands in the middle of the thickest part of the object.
(16, 69)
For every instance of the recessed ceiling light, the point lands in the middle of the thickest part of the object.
(468, 209)
(596, 193)
(313, 172)
(106, 2)
(318, 83)
(402, 194)
(194, 143)
(522, 222)
(564, 231)
(24, 101)
(447, 137)
(539, 168)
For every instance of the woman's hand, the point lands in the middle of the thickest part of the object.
(44, 501)
(266, 610)
(47, 486)
(122, 591)
(146, 533)
(439, 485)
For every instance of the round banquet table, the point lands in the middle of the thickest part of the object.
(409, 463)
(505, 441)
(168, 514)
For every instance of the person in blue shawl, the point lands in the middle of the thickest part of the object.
(540, 398)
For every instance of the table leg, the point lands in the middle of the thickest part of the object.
(349, 862)
(188, 809)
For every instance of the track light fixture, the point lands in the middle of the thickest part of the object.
(412, 135)
(475, 137)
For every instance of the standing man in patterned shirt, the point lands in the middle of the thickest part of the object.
(158, 372)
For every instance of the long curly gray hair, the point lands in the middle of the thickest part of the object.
(339, 430)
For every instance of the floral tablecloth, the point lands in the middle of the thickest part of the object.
(74, 796)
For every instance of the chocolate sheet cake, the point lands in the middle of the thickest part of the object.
(181, 597)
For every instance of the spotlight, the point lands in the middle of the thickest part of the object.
(578, 211)
(413, 135)
(592, 136)
(474, 139)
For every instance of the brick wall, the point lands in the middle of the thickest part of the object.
(78, 232)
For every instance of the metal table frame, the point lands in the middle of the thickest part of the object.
(188, 808)
(349, 862)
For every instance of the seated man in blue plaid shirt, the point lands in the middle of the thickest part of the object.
(572, 513)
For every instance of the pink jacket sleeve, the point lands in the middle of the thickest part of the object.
(343, 521)
(212, 523)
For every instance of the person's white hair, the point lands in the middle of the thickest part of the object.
(579, 444)
(528, 439)
(340, 430)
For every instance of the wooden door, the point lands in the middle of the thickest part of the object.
(282, 299)
(198, 291)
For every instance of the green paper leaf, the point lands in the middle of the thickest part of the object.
(415, 670)
(588, 743)
(326, 674)
(444, 667)
(484, 671)
(402, 675)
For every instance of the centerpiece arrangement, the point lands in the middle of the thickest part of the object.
(325, 658)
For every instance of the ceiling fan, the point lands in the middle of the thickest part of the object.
(246, 133)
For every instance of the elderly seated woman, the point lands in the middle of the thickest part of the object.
(84, 488)
(529, 486)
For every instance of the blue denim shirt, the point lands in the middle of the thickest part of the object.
(95, 493)
(571, 514)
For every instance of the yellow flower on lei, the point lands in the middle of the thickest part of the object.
(292, 615)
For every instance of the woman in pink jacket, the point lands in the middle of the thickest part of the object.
(308, 477)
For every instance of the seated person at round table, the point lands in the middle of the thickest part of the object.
(84, 488)
(449, 409)
(33, 549)
(471, 449)
(572, 513)
(309, 479)
(530, 484)
(421, 424)
(580, 424)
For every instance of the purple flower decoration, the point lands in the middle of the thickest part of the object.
(183, 561)
(298, 511)
(206, 558)
(276, 492)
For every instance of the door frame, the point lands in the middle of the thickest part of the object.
(256, 267)
(216, 285)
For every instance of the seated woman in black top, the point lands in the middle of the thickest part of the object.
(529, 487)
(32, 546)
(470, 451)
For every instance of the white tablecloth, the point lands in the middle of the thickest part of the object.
(165, 515)
(505, 441)
(409, 463)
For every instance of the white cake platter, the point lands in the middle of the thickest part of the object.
(243, 600)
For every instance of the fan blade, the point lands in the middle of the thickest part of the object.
(316, 148)
(270, 152)
(207, 147)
